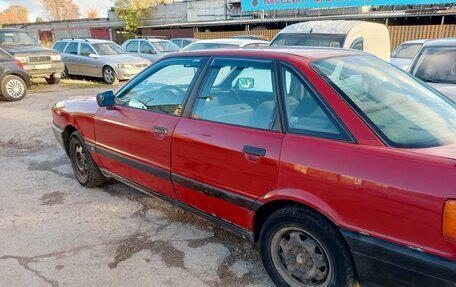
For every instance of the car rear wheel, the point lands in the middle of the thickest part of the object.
(86, 171)
(53, 79)
(301, 248)
(13, 88)
(109, 76)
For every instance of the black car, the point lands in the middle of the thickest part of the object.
(14, 80)
(39, 62)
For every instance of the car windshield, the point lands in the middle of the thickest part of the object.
(166, 46)
(406, 51)
(104, 49)
(206, 46)
(16, 38)
(404, 112)
(436, 65)
(313, 40)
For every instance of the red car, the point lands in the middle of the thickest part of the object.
(340, 165)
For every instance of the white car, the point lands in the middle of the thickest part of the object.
(403, 56)
(435, 64)
(224, 44)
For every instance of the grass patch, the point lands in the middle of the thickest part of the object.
(40, 83)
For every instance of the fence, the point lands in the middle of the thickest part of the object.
(399, 34)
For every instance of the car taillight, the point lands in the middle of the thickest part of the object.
(449, 220)
(19, 63)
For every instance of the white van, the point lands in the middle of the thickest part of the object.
(365, 36)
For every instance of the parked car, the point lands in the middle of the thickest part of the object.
(344, 171)
(224, 44)
(365, 36)
(184, 42)
(98, 58)
(435, 64)
(251, 37)
(39, 62)
(14, 80)
(149, 47)
(403, 56)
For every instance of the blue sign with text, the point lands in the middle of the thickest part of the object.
(258, 5)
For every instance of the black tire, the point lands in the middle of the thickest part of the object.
(13, 88)
(54, 79)
(86, 171)
(313, 247)
(64, 74)
(109, 76)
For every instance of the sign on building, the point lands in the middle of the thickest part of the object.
(258, 5)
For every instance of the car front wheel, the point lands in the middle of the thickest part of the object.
(109, 76)
(301, 248)
(13, 88)
(85, 169)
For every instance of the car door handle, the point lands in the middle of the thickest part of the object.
(254, 151)
(160, 132)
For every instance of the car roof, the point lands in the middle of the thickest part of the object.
(420, 41)
(84, 40)
(323, 27)
(237, 42)
(441, 42)
(307, 53)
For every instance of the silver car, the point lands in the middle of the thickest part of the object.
(150, 48)
(403, 56)
(99, 58)
(435, 64)
(224, 44)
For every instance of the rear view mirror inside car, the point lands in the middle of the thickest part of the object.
(245, 83)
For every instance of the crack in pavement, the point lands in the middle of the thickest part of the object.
(24, 262)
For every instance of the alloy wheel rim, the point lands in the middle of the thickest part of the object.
(15, 88)
(80, 162)
(300, 258)
(109, 75)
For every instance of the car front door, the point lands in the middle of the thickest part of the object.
(133, 138)
(225, 151)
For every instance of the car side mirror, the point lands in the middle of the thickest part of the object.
(153, 52)
(93, 56)
(106, 99)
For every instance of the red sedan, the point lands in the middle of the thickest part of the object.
(340, 165)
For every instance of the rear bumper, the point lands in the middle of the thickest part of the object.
(45, 69)
(381, 263)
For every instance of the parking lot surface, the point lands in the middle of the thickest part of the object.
(53, 232)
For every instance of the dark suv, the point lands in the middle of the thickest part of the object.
(39, 62)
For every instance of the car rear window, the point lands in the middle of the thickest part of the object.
(404, 112)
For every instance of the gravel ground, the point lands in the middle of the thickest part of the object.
(53, 232)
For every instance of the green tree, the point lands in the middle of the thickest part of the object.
(131, 12)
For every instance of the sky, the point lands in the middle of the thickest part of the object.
(35, 9)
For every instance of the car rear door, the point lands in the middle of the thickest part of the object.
(133, 138)
(225, 152)
(71, 58)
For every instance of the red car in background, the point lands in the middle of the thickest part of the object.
(340, 165)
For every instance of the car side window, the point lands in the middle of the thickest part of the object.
(132, 47)
(146, 48)
(72, 48)
(60, 46)
(164, 89)
(238, 92)
(86, 50)
(358, 44)
(304, 112)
